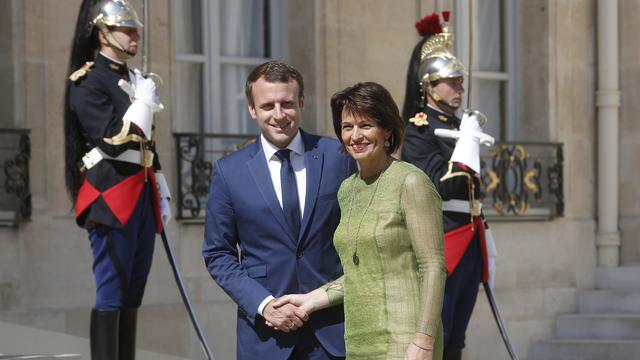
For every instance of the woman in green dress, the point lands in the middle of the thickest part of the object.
(389, 238)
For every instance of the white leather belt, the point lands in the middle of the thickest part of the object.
(96, 155)
(462, 206)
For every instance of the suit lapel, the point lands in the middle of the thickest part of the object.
(261, 175)
(314, 160)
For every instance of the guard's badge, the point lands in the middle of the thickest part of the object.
(78, 74)
(419, 119)
(443, 118)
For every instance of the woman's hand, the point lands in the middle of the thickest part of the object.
(307, 303)
(420, 348)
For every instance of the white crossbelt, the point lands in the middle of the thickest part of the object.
(461, 206)
(96, 155)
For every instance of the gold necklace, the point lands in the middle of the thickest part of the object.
(354, 257)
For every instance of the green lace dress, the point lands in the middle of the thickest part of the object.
(393, 223)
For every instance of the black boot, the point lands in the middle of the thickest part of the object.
(127, 337)
(452, 354)
(104, 334)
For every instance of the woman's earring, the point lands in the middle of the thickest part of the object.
(387, 143)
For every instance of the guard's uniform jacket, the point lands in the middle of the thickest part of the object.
(457, 184)
(111, 187)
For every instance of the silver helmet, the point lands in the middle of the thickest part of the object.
(115, 13)
(438, 62)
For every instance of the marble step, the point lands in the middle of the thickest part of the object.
(623, 277)
(587, 349)
(609, 301)
(598, 326)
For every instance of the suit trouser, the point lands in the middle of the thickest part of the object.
(122, 257)
(309, 348)
(461, 291)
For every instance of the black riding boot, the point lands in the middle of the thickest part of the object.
(452, 354)
(104, 334)
(128, 321)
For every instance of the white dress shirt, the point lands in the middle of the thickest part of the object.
(299, 167)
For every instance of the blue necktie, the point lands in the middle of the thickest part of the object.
(290, 202)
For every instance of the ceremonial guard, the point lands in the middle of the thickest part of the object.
(434, 93)
(112, 168)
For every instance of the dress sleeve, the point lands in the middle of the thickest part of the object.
(335, 291)
(422, 209)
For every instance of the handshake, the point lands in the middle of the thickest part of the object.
(289, 312)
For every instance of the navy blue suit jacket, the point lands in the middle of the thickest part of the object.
(243, 211)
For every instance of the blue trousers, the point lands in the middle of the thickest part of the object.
(122, 257)
(460, 293)
(309, 348)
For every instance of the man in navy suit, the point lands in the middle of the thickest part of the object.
(275, 201)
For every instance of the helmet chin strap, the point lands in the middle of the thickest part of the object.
(442, 104)
(113, 42)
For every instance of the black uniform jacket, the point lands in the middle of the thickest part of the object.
(432, 153)
(111, 188)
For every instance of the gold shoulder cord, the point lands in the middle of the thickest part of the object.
(123, 136)
(146, 156)
(470, 187)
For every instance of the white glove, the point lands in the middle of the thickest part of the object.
(492, 252)
(467, 150)
(146, 91)
(163, 187)
(165, 211)
(491, 264)
(145, 104)
(470, 126)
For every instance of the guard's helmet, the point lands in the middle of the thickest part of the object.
(436, 60)
(110, 14)
(115, 13)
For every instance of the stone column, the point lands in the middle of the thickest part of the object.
(608, 105)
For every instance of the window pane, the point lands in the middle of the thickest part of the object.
(243, 29)
(188, 26)
(189, 95)
(486, 98)
(235, 116)
(487, 37)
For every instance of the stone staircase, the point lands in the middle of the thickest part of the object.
(607, 325)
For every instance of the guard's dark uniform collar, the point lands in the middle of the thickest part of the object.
(119, 68)
(451, 120)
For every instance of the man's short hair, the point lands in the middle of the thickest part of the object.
(273, 71)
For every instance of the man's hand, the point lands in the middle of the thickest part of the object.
(286, 318)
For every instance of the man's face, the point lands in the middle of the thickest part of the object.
(277, 109)
(127, 37)
(450, 91)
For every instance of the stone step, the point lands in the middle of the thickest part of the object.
(587, 349)
(598, 326)
(42, 357)
(623, 277)
(609, 301)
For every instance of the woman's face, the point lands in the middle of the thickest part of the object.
(363, 138)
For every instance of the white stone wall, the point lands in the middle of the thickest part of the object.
(45, 265)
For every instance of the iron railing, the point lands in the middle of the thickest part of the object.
(15, 194)
(522, 180)
(519, 180)
(196, 154)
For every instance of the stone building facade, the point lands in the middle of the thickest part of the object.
(45, 263)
